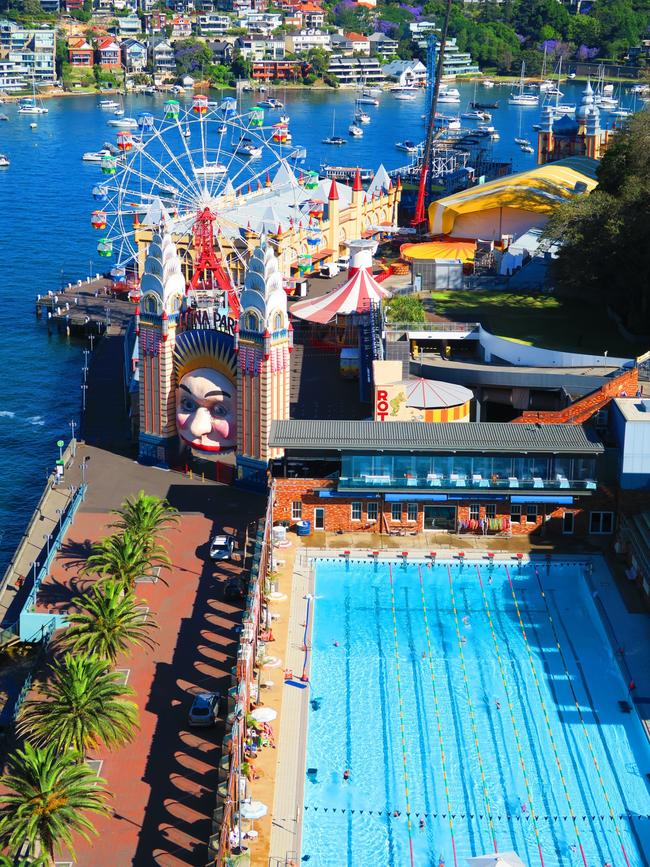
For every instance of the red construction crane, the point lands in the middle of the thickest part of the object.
(420, 214)
(209, 273)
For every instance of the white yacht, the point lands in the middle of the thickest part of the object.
(210, 169)
(96, 156)
(4, 161)
(407, 145)
(448, 95)
(522, 97)
(123, 122)
(109, 104)
(31, 106)
(355, 131)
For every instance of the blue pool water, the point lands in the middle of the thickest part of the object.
(557, 683)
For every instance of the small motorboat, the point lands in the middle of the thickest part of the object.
(366, 99)
(522, 141)
(4, 117)
(211, 169)
(355, 131)
(249, 151)
(119, 112)
(620, 112)
(273, 104)
(187, 132)
(123, 122)
(223, 129)
(405, 95)
(109, 104)
(284, 118)
(527, 149)
(334, 140)
(96, 156)
(477, 115)
(33, 125)
(4, 161)
(407, 145)
(488, 83)
(361, 117)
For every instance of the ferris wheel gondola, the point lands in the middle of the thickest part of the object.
(174, 167)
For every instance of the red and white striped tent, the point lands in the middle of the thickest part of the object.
(354, 296)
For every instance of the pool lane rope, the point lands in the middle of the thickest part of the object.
(472, 715)
(401, 713)
(506, 688)
(546, 718)
(581, 717)
(438, 719)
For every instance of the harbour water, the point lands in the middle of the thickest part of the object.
(47, 240)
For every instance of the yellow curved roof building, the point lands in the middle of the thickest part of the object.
(513, 204)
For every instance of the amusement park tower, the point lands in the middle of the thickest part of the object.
(264, 343)
(157, 320)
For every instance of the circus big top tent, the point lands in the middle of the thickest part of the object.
(354, 296)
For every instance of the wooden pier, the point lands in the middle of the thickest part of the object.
(84, 308)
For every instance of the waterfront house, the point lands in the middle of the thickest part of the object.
(134, 55)
(80, 52)
(162, 57)
(154, 22)
(307, 40)
(213, 24)
(262, 23)
(222, 51)
(269, 70)
(351, 43)
(9, 80)
(407, 73)
(31, 51)
(382, 44)
(356, 70)
(129, 25)
(108, 54)
(181, 26)
(311, 14)
(261, 48)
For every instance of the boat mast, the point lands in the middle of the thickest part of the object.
(419, 215)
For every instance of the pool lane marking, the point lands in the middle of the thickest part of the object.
(581, 717)
(438, 718)
(512, 716)
(472, 716)
(401, 712)
(547, 719)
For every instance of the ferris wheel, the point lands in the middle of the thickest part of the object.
(171, 168)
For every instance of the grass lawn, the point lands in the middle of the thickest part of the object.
(541, 320)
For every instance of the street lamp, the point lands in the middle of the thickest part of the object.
(60, 514)
(84, 388)
(73, 426)
(82, 465)
(46, 538)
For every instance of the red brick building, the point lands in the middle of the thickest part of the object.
(267, 70)
(480, 478)
(80, 52)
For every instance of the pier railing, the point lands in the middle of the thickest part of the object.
(229, 795)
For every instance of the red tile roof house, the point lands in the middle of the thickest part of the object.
(108, 54)
(80, 52)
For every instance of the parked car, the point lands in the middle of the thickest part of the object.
(222, 546)
(234, 589)
(205, 709)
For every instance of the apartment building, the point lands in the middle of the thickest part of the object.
(306, 40)
(32, 52)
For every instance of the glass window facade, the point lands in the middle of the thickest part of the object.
(496, 472)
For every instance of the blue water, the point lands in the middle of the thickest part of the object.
(354, 721)
(45, 206)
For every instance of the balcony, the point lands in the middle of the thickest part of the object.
(458, 483)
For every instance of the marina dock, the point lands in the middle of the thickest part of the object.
(84, 308)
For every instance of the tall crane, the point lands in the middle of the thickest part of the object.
(420, 214)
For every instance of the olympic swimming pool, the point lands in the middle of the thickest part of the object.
(556, 771)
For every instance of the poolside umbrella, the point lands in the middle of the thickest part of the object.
(252, 810)
(498, 859)
(264, 714)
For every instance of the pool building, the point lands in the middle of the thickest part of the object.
(484, 478)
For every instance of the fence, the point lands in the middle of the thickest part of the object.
(231, 790)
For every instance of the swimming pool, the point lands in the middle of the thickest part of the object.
(481, 702)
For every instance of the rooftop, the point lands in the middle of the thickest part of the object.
(482, 437)
(634, 408)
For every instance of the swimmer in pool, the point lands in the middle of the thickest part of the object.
(335, 643)
(498, 704)
(466, 620)
(346, 774)
(421, 824)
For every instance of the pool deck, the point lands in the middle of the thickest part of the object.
(618, 612)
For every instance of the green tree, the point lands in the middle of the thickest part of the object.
(602, 235)
(621, 25)
(145, 517)
(45, 798)
(125, 558)
(405, 308)
(108, 623)
(83, 703)
(241, 67)
(319, 61)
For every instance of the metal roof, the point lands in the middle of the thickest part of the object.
(394, 436)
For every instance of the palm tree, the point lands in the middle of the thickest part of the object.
(108, 624)
(82, 703)
(145, 517)
(125, 558)
(44, 798)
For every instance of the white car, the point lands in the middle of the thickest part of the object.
(222, 547)
(205, 709)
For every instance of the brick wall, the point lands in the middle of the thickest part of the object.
(542, 519)
(583, 409)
